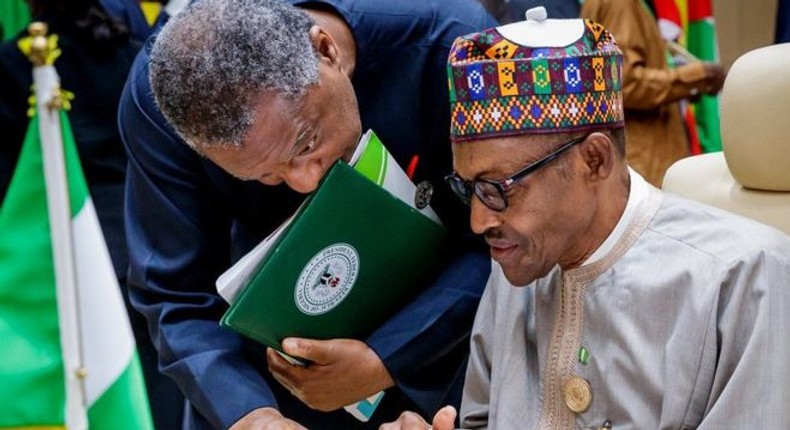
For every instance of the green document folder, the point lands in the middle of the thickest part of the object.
(351, 257)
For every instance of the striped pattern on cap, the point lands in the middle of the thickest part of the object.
(535, 76)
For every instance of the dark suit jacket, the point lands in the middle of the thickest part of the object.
(188, 221)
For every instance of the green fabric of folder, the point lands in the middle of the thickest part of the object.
(353, 255)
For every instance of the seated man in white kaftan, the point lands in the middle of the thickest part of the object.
(612, 305)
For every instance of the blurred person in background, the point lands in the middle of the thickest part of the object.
(783, 22)
(96, 54)
(652, 88)
(143, 17)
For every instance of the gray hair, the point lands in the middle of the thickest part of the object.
(211, 62)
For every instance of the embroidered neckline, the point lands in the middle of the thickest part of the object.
(568, 319)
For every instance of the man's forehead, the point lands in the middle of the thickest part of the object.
(273, 101)
(523, 143)
(275, 115)
(498, 154)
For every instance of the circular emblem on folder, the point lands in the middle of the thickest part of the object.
(422, 197)
(327, 279)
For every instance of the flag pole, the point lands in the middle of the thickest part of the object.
(48, 105)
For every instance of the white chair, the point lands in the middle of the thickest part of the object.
(751, 176)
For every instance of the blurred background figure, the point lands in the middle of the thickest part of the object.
(497, 8)
(141, 17)
(783, 22)
(652, 85)
(688, 26)
(97, 52)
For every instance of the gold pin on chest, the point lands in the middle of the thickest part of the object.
(578, 394)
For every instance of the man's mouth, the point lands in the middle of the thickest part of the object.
(501, 250)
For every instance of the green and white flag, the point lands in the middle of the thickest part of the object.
(701, 41)
(14, 16)
(68, 353)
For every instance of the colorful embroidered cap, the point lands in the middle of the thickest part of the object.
(535, 76)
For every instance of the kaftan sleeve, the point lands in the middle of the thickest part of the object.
(751, 385)
(475, 404)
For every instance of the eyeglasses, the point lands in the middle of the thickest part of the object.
(493, 193)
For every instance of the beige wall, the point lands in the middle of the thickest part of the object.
(743, 25)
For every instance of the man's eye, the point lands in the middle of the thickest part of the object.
(310, 146)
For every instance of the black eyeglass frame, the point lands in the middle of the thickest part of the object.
(504, 185)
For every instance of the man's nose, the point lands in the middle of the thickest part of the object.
(481, 217)
(271, 180)
(305, 177)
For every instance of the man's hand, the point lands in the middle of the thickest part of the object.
(343, 371)
(265, 419)
(443, 420)
(715, 78)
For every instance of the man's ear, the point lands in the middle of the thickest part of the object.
(324, 45)
(598, 155)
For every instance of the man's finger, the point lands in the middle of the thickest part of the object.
(444, 419)
(282, 370)
(286, 383)
(317, 351)
(276, 361)
(406, 421)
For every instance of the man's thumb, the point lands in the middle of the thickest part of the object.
(444, 419)
(310, 349)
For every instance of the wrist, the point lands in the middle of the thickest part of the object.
(382, 376)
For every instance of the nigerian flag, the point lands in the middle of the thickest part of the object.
(69, 359)
(701, 41)
(14, 16)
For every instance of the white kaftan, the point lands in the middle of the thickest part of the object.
(684, 313)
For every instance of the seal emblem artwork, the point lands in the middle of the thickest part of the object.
(327, 279)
